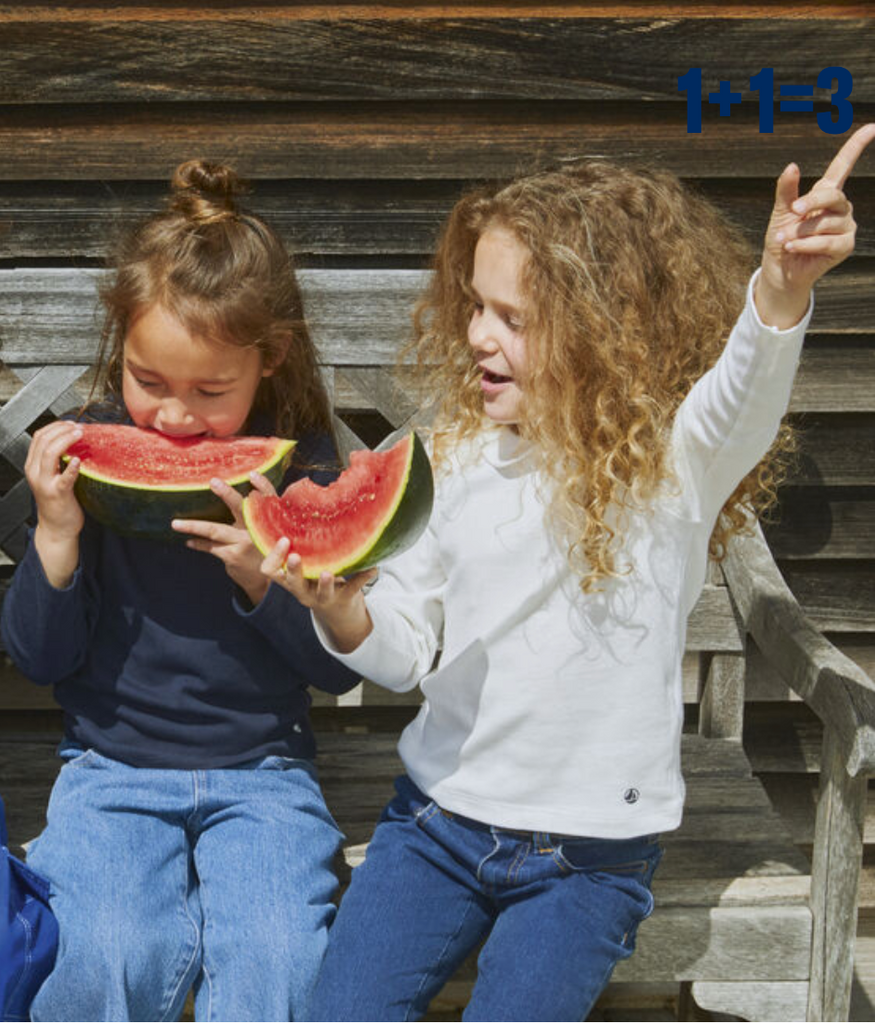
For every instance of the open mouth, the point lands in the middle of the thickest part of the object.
(495, 378)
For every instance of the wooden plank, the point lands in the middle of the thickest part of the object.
(15, 507)
(68, 400)
(376, 387)
(397, 140)
(763, 683)
(837, 689)
(721, 709)
(732, 943)
(836, 596)
(840, 380)
(838, 845)
(819, 523)
(835, 378)
(769, 1000)
(835, 451)
(796, 797)
(60, 220)
(266, 54)
(32, 400)
(86, 10)
(739, 891)
(357, 317)
(45, 220)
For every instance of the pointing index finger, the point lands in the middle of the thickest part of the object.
(843, 162)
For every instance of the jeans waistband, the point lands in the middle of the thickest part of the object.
(522, 833)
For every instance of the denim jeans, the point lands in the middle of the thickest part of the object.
(162, 879)
(557, 913)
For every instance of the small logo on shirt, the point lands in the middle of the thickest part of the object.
(631, 796)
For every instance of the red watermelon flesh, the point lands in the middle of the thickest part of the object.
(377, 507)
(137, 481)
(152, 460)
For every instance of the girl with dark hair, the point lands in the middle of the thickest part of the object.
(187, 842)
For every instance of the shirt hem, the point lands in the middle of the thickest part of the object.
(544, 819)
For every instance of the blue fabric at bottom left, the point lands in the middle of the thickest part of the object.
(29, 939)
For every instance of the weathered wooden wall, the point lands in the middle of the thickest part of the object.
(359, 124)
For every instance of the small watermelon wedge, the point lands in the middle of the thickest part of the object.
(376, 508)
(136, 481)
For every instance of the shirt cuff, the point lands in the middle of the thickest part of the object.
(372, 659)
(32, 555)
(275, 603)
(790, 332)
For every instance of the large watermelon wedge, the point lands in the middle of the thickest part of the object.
(376, 508)
(135, 481)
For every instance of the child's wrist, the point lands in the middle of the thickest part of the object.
(777, 307)
(348, 630)
(58, 554)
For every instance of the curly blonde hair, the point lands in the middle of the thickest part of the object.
(632, 284)
(225, 275)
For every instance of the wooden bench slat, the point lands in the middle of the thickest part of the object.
(729, 943)
(33, 399)
(836, 597)
(15, 507)
(357, 317)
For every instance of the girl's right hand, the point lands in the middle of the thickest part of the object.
(59, 513)
(337, 602)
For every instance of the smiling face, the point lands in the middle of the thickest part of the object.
(185, 385)
(496, 331)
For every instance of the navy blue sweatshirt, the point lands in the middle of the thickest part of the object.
(158, 658)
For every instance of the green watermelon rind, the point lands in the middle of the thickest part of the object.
(145, 510)
(401, 527)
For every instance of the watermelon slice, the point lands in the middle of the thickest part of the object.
(376, 508)
(136, 481)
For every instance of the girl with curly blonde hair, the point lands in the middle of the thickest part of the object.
(593, 422)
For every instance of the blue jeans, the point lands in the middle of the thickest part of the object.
(557, 913)
(164, 879)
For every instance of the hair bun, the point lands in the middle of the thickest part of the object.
(205, 191)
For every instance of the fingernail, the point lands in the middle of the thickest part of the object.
(215, 483)
(799, 206)
(780, 236)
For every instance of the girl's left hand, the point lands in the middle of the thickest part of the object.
(230, 542)
(807, 235)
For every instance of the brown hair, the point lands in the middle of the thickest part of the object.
(632, 283)
(225, 275)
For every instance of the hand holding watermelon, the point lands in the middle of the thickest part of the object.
(337, 602)
(59, 515)
(322, 543)
(230, 542)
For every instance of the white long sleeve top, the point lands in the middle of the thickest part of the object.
(549, 709)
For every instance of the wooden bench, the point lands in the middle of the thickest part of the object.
(744, 923)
